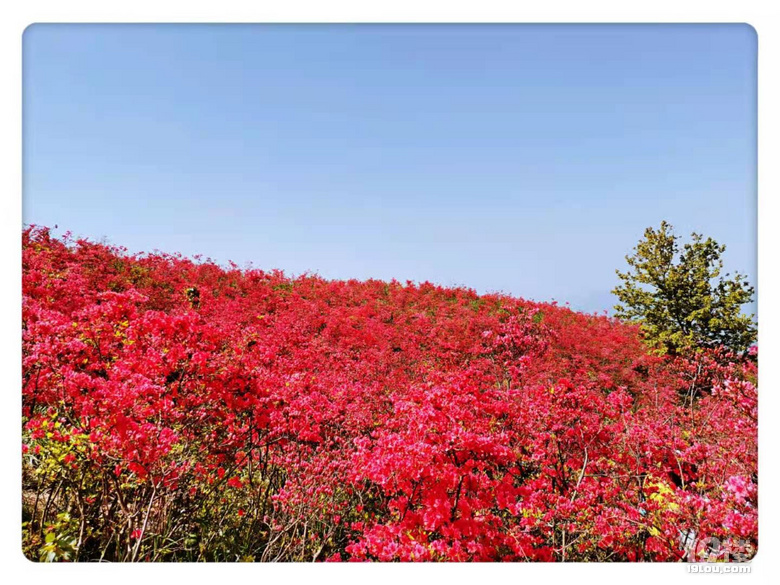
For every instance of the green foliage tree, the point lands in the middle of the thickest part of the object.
(680, 297)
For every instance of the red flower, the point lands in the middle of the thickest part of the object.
(427, 423)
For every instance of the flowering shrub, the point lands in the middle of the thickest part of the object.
(177, 410)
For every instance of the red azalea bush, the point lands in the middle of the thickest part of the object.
(177, 410)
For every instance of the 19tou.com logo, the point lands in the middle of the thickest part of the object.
(712, 555)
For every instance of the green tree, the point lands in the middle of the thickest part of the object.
(680, 297)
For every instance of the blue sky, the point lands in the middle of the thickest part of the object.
(522, 159)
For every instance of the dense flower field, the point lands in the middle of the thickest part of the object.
(177, 410)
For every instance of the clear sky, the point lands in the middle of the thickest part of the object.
(522, 159)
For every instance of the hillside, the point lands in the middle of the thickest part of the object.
(178, 410)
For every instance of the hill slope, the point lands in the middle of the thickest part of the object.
(176, 410)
